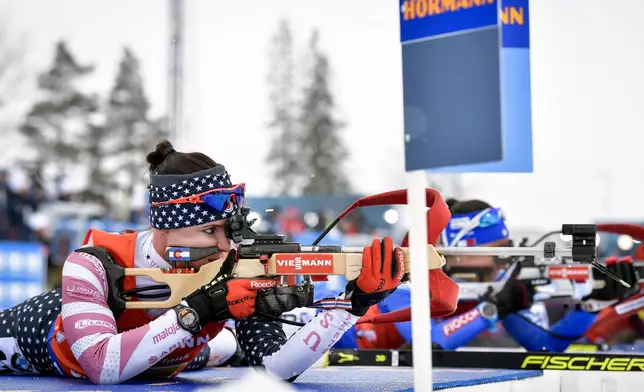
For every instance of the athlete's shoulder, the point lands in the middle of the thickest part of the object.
(84, 269)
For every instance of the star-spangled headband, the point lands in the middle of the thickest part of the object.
(475, 228)
(184, 200)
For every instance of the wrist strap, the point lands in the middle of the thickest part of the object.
(210, 304)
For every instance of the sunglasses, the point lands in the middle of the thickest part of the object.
(221, 199)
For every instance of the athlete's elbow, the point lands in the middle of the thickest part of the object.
(108, 374)
(99, 379)
(281, 372)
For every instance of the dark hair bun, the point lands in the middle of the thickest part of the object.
(156, 157)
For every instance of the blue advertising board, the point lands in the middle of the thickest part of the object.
(466, 85)
(23, 271)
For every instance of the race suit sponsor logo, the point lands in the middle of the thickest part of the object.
(256, 284)
(459, 322)
(595, 305)
(346, 324)
(316, 340)
(86, 323)
(174, 361)
(578, 273)
(60, 336)
(190, 342)
(304, 263)
(81, 292)
(171, 330)
(630, 306)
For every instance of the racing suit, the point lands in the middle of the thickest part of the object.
(602, 314)
(75, 333)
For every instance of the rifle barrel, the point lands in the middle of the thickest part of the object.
(501, 251)
(469, 251)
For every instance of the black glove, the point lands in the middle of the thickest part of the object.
(513, 297)
(612, 291)
(209, 301)
(226, 297)
(283, 299)
(383, 269)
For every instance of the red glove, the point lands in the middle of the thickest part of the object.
(383, 268)
(224, 297)
(242, 294)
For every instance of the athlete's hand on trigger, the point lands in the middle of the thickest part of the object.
(226, 297)
(242, 293)
(612, 291)
(383, 268)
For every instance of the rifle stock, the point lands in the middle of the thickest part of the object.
(182, 284)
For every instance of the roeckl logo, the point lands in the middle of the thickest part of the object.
(304, 263)
(256, 284)
(401, 259)
(238, 301)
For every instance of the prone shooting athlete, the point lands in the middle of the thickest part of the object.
(596, 318)
(79, 331)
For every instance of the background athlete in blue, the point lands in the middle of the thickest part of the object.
(476, 223)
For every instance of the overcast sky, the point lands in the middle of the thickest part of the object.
(588, 89)
(226, 68)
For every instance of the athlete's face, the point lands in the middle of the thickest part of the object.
(202, 236)
(469, 264)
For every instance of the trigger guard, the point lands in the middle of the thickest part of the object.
(114, 276)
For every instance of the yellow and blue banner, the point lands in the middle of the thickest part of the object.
(466, 85)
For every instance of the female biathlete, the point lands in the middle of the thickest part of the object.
(79, 331)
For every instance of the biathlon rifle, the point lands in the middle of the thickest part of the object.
(270, 256)
(551, 278)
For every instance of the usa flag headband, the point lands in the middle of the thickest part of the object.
(185, 200)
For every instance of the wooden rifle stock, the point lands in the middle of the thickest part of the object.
(347, 264)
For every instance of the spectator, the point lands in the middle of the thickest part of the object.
(4, 207)
(12, 204)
